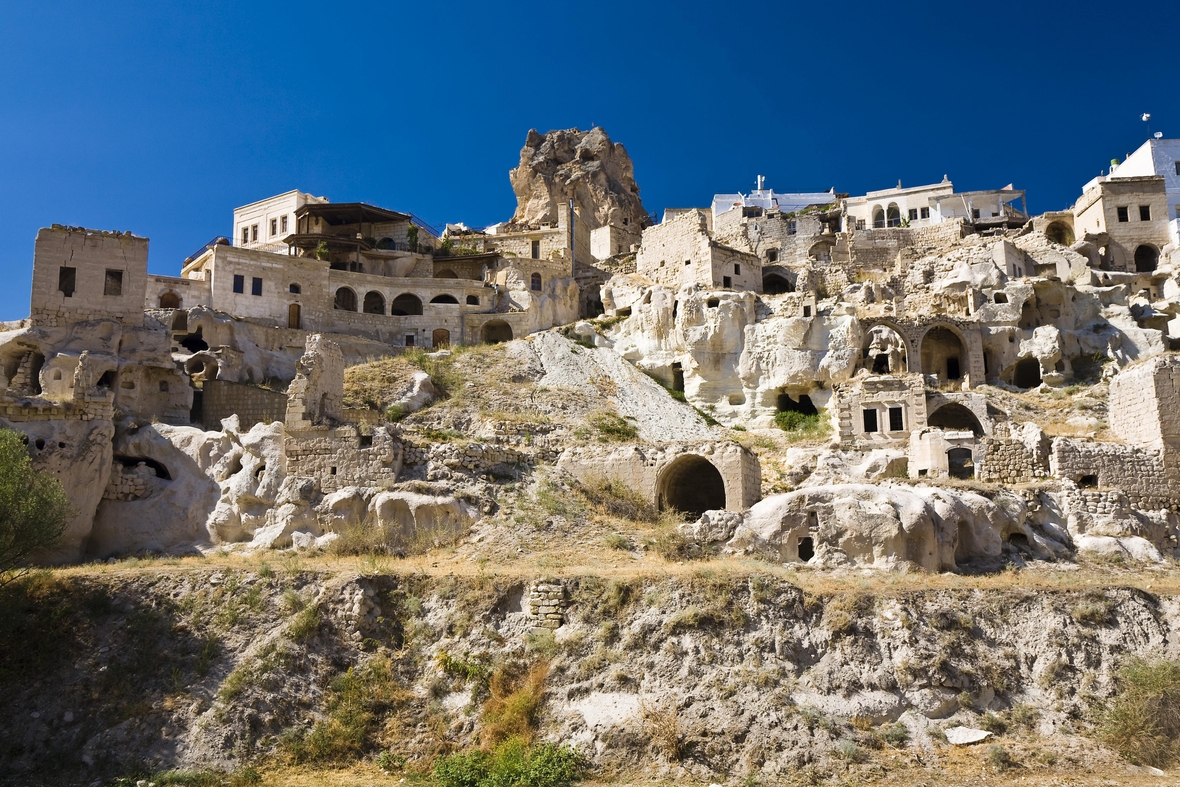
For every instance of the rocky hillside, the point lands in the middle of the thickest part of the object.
(680, 675)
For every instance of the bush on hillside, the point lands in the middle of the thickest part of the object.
(34, 509)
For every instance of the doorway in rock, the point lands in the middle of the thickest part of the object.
(692, 486)
(960, 463)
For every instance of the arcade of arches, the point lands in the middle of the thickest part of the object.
(692, 486)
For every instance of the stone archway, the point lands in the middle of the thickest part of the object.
(954, 417)
(440, 339)
(691, 485)
(1060, 233)
(893, 215)
(960, 463)
(1026, 373)
(405, 305)
(944, 354)
(496, 331)
(884, 351)
(374, 303)
(169, 300)
(776, 283)
(345, 300)
(1147, 257)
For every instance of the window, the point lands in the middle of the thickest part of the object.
(1178, 167)
(245, 235)
(896, 423)
(688, 262)
(274, 227)
(1123, 214)
(1145, 213)
(282, 223)
(870, 417)
(113, 284)
(807, 311)
(772, 254)
(473, 300)
(792, 227)
(66, 280)
(975, 213)
(239, 283)
(410, 339)
(254, 232)
(536, 250)
(737, 269)
(535, 282)
(256, 286)
(913, 214)
(860, 224)
(295, 289)
(924, 213)
(726, 282)
(624, 221)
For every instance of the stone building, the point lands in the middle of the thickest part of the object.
(681, 251)
(1127, 219)
(920, 206)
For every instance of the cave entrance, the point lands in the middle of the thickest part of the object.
(942, 354)
(677, 376)
(802, 405)
(496, 331)
(692, 486)
(1027, 373)
(806, 548)
(955, 417)
(776, 284)
(960, 463)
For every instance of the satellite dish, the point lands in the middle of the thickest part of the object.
(1158, 135)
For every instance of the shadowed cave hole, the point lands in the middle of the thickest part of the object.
(692, 485)
(132, 461)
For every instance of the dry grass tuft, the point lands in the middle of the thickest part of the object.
(511, 711)
(661, 724)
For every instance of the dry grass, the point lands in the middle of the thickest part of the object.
(511, 710)
(661, 725)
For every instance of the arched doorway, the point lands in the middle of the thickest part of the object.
(345, 300)
(960, 464)
(169, 300)
(822, 251)
(954, 417)
(1027, 373)
(776, 283)
(405, 305)
(893, 215)
(445, 299)
(496, 331)
(440, 339)
(294, 317)
(1146, 258)
(884, 351)
(1060, 233)
(878, 219)
(374, 303)
(692, 486)
(943, 354)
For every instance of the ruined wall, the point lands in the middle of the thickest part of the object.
(342, 457)
(1148, 479)
(1145, 404)
(1013, 455)
(252, 405)
(81, 274)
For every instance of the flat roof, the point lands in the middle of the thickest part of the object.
(350, 212)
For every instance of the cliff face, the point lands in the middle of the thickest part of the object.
(583, 165)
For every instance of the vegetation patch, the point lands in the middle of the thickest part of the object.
(513, 763)
(1142, 720)
(612, 427)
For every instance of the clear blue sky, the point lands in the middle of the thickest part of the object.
(160, 118)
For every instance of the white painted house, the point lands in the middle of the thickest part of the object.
(1157, 157)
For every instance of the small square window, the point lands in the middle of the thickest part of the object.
(772, 254)
(896, 422)
(256, 286)
(860, 224)
(925, 213)
(1122, 213)
(737, 269)
(913, 214)
(245, 235)
(807, 311)
(726, 282)
(113, 284)
(254, 232)
(975, 213)
(282, 223)
(295, 289)
(1145, 213)
(67, 280)
(688, 262)
(870, 418)
(274, 227)
(792, 227)
(411, 339)
(239, 283)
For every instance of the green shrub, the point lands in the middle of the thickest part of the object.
(849, 752)
(896, 735)
(511, 764)
(1142, 720)
(613, 427)
(34, 509)
(997, 757)
(800, 424)
(993, 723)
(306, 623)
(618, 541)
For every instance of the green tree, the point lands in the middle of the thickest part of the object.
(34, 509)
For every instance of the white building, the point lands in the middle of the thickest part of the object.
(921, 206)
(763, 199)
(1157, 157)
(264, 224)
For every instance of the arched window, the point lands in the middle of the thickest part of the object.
(345, 300)
(878, 219)
(405, 305)
(473, 300)
(893, 215)
(535, 282)
(374, 303)
(445, 299)
(169, 300)
(296, 289)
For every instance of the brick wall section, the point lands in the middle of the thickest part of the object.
(252, 405)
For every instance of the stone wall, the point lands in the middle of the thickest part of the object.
(1013, 455)
(252, 405)
(1148, 479)
(81, 274)
(879, 394)
(1145, 403)
(343, 456)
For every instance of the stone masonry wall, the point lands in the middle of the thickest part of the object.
(343, 457)
(1148, 480)
(105, 274)
(252, 405)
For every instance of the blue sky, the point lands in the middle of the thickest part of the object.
(160, 117)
